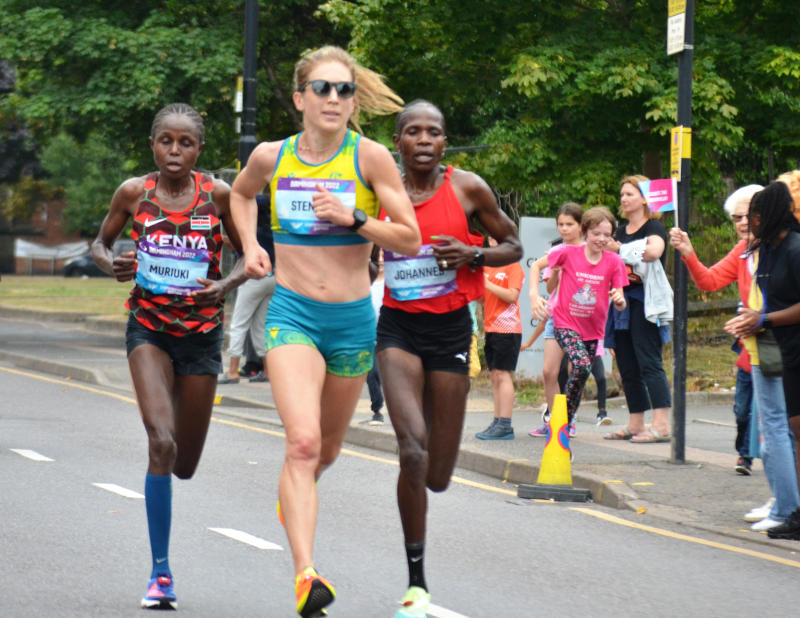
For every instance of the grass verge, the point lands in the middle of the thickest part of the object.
(709, 359)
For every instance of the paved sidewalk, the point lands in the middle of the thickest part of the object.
(705, 492)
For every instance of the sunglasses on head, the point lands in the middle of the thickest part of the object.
(322, 88)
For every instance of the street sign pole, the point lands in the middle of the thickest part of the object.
(247, 141)
(684, 133)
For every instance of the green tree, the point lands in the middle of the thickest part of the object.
(571, 96)
(81, 171)
(97, 72)
(109, 66)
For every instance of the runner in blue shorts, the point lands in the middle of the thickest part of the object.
(326, 184)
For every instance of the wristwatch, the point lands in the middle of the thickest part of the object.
(359, 219)
(766, 322)
(479, 259)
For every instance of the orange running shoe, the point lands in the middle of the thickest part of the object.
(313, 593)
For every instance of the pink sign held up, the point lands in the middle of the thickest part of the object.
(661, 194)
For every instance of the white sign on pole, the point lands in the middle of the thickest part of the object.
(676, 28)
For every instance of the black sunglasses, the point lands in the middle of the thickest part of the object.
(322, 88)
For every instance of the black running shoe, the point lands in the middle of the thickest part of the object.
(789, 529)
(744, 466)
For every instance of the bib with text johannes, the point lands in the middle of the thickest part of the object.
(170, 270)
(412, 278)
(293, 204)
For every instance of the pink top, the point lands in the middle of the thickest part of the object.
(583, 300)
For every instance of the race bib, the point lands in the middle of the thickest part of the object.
(293, 204)
(418, 277)
(170, 270)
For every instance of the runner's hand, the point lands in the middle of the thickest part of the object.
(257, 264)
(328, 207)
(211, 294)
(451, 250)
(124, 266)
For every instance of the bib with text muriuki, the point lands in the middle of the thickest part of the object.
(293, 204)
(412, 278)
(170, 270)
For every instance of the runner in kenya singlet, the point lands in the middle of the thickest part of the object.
(174, 249)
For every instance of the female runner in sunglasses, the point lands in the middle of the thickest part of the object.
(326, 184)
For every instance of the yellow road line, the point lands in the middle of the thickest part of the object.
(82, 387)
(684, 537)
(455, 479)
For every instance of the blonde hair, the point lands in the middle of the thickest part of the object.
(792, 180)
(372, 96)
(634, 180)
(595, 216)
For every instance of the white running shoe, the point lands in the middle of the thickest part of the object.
(765, 524)
(545, 414)
(761, 512)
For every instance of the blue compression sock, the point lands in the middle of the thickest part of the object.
(158, 503)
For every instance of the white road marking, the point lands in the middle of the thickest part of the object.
(30, 454)
(117, 489)
(244, 537)
(434, 611)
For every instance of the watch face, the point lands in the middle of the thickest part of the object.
(359, 219)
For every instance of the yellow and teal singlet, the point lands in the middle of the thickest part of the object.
(295, 182)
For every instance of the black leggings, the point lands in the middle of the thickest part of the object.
(598, 372)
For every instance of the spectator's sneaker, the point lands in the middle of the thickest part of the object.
(744, 465)
(377, 419)
(259, 377)
(602, 418)
(545, 411)
(540, 432)
(761, 512)
(313, 593)
(160, 593)
(790, 529)
(496, 431)
(765, 524)
(572, 430)
(415, 603)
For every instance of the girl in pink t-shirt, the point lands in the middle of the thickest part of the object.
(589, 275)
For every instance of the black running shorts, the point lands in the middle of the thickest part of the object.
(441, 340)
(502, 350)
(192, 354)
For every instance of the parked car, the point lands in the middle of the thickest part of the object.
(84, 266)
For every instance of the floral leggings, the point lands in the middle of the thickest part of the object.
(581, 355)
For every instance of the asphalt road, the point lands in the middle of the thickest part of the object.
(73, 548)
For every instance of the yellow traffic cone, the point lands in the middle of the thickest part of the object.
(556, 468)
(555, 473)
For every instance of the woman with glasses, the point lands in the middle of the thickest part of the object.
(776, 307)
(326, 184)
(735, 266)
